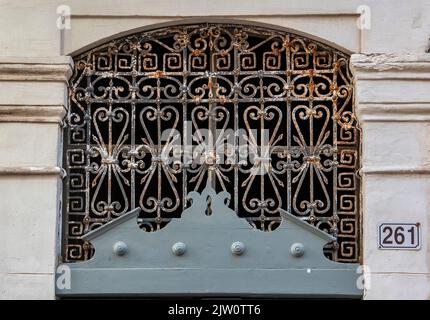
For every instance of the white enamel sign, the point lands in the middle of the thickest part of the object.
(392, 235)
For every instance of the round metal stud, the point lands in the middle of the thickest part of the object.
(179, 248)
(120, 248)
(237, 248)
(297, 249)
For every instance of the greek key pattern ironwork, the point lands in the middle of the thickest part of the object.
(293, 96)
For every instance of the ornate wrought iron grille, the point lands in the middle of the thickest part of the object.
(290, 93)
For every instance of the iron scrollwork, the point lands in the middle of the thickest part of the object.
(292, 96)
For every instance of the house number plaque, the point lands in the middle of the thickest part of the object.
(393, 235)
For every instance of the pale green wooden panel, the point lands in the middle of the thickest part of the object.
(208, 266)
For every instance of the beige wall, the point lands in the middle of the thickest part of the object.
(32, 105)
(28, 26)
(393, 95)
(393, 104)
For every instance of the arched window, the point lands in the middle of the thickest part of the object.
(283, 103)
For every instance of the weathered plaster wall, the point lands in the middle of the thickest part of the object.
(28, 26)
(32, 104)
(393, 95)
(393, 103)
